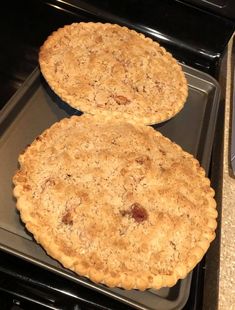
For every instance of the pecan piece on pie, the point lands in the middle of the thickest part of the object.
(67, 218)
(121, 100)
(137, 212)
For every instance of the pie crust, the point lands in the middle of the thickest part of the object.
(108, 69)
(116, 202)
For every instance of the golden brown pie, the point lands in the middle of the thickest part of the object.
(116, 202)
(109, 69)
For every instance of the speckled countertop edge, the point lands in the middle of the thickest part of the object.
(226, 299)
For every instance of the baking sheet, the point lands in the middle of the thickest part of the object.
(34, 108)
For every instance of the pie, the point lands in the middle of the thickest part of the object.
(116, 202)
(108, 69)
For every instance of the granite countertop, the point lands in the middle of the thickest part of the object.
(226, 300)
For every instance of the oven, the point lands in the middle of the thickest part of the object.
(197, 34)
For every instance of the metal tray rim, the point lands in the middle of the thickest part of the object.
(20, 93)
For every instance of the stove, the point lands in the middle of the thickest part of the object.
(195, 32)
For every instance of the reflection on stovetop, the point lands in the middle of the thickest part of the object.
(44, 290)
(24, 25)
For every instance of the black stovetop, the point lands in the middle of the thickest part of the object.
(194, 36)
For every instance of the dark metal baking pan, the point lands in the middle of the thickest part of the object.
(34, 108)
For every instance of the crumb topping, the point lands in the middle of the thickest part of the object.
(120, 198)
(107, 68)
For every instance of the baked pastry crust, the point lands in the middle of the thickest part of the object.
(108, 69)
(116, 202)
